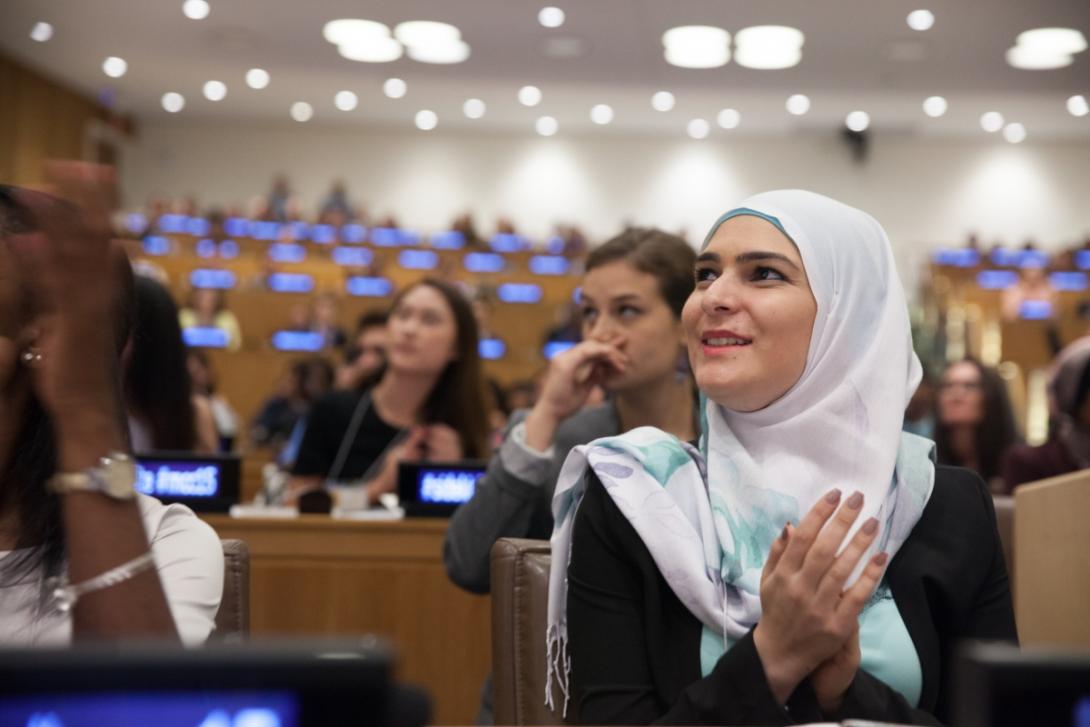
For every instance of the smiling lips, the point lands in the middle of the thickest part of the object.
(722, 340)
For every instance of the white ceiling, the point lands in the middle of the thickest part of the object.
(859, 54)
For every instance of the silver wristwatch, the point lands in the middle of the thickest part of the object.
(113, 476)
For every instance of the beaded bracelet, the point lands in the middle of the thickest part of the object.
(64, 596)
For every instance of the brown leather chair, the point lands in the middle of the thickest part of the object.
(520, 589)
(233, 618)
(1004, 520)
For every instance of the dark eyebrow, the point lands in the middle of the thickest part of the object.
(760, 256)
(622, 298)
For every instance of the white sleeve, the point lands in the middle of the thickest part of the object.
(189, 560)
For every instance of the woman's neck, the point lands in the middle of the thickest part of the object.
(963, 444)
(399, 396)
(666, 405)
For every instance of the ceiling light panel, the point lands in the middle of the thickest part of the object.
(768, 47)
(921, 20)
(601, 114)
(698, 129)
(41, 32)
(215, 90)
(663, 101)
(935, 106)
(257, 78)
(474, 108)
(1078, 106)
(196, 9)
(798, 104)
(529, 95)
(696, 46)
(547, 126)
(728, 119)
(426, 120)
(395, 88)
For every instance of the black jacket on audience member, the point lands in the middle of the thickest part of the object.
(328, 424)
(635, 648)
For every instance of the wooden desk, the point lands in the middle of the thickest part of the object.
(315, 575)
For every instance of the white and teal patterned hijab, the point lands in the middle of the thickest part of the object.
(709, 516)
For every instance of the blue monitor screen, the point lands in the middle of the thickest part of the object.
(1032, 259)
(451, 240)
(1082, 259)
(519, 293)
(507, 242)
(197, 226)
(1005, 258)
(483, 262)
(1068, 281)
(229, 249)
(290, 282)
(353, 256)
(205, 337)
(362, 285)
(156, 245)
(209, 278)
(1035, 310)
(323, 234)
(237, 226)
(555, 245)
(1082, 713)
(552, 348)
(353, 233)
(173, 224)
(299, 230)
(963, 258)
(446, 487)
(287, 252)
(136, 222)
(577, 295)
(162, 709)
(177, 479)
(408, 237)
(264, 230)
(491, 349)
(206, 248)
(386, 236)
(996, 279)
(298, 341)
(549, 265)
(417, 259)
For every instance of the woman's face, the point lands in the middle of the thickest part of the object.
(423, 334)
(205, 301)
(624, 306)
(961, 397)
(749, 320)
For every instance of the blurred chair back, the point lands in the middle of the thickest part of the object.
(233, 618)
(1052, 560)
(520, 589)
(1004, 520)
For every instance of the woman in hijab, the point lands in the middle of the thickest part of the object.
(1068, 445)
(744, 581)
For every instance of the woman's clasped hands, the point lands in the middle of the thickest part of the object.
(809, 626)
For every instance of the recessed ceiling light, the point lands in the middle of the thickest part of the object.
(1036, 58)
(196, 9)
(173, 102)
(857, 121)
(662, 101)
(921, 20)
(601, 114)
(440, 53)
(426, 120)
(474, 108)
(546, 126)
(215, 90)
(114, 67)
(991, 121)
(301, 111)
(798, 104)
(529, 95)
(426, 33)
(935, 106)
(257, 78)
(551, 17)
(372, 50)
(1014, 133)
(1077, 106)
(728, 119)
(768, 47)
(354, 30)
(41, 32)
(698, 129)
(346, 100)
(696, 46)
(1057, 40)
(395, 88)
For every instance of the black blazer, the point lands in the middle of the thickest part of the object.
(635, 649)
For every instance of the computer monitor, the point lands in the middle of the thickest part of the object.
(1000, 685)
(257, 685)
(436, 489)
(204, 482)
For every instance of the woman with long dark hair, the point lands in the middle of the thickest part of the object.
(426, 402)
(974, 422)
(82, 554)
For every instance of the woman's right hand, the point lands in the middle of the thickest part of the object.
(806, 615)
(411, 448)
(572, 375)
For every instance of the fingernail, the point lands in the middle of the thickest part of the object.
(783, 535)
(881, 558)
(870, 526)
(833, 497)
(855, 501)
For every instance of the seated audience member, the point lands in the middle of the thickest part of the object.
(324, 320)
(207, 308)
(336, 209)
(1068, 445)
(633, 347)
(733, 583)
(974, 422)
(165, 413)
(279, 205)
(307, 380)
(68, 508)
(1033, 286)
(203, 377)
(367, 354)
(427, 402)
(464, 224)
